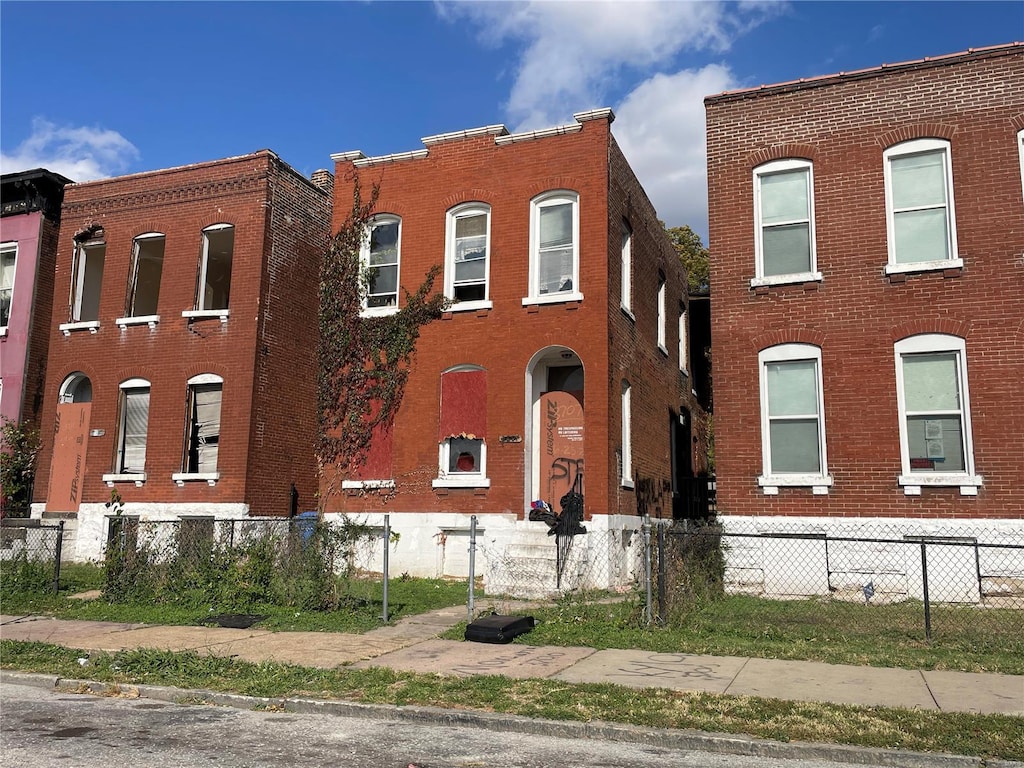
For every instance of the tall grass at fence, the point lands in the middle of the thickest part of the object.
(25, 574)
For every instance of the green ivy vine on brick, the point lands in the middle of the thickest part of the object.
(363, 361)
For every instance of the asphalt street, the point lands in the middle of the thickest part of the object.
(42, 727)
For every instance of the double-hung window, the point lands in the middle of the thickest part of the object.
(935, 415)
(626, 463)
(144, 287)
(684, 343)
(468, 256)
(626, 300)
(462, 448)
(202, 429)
(8, 263)
(919, 206)
(381, 256)
(86, 281)
(662, 316)
(554, 248)
(133, 426)
(792, 418)
(215, 270)
(784, 223)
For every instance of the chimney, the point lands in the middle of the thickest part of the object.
(323, 180)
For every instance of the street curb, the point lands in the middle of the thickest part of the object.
(658, 737)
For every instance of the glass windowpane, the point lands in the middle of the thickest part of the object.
(784, 197)
(787, 249)
(794, 446)
(792, 388)
(930, 382)
(921, 236)
(918, 180)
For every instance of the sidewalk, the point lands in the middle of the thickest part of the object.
(412, 645)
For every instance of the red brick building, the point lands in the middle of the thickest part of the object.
(867, 232)
(181, 373)
(560, 363)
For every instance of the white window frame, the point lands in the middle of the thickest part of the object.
(920, 147)
(626, 299)
(465, 210)
(364, 257)
(446, 479)
(121, 474)
(626, 479)
(770, 481)
(662, 315)
(684, 341)
(130, 317)
(775, 167)
(198, 312)
(78, 286)
(5, 249)
(911, 482)
(211, 478)
(1020, 151)
(547, 199)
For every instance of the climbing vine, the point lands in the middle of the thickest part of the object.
(363, 361)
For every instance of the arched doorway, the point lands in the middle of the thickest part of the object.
(70, 444)
(554, 425)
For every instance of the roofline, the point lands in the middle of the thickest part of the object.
(928, 62)
(499, 132)
(35, 173)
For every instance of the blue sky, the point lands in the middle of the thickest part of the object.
(102, 89)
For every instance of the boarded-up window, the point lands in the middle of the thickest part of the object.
(463, 423)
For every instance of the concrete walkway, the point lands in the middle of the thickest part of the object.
(412, 644)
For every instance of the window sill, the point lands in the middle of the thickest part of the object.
(3, 331)
(354, 485)
(469, 306)
(476, 481)
(207, 314)
(924, 266)
(553, 298)
(628, 313)
(819, 484)
(180, 478)
(663, 349)
(150, 320)
(797, 277)
(968, 484)
(626, 482)
(378, 311)
(128, 477)
(92, 326)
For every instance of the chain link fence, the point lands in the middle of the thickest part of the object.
(30, 555)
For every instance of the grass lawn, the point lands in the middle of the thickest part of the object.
(998, 736)
(964, 639)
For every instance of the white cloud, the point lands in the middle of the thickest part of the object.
(80, 153)
(660, 128)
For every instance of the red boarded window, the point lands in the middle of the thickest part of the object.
(463, 404)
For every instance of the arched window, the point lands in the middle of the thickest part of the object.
(467, 260)
(554, 248)
(381, 258)
(784, 222)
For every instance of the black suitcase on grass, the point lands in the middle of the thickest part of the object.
(498, 629)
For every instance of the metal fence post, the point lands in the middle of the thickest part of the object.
(387, 543)
(662, 577)
(57, 555)
(927, 602)
(645, 529)
(470, 605)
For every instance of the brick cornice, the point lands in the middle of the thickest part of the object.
(178, 194)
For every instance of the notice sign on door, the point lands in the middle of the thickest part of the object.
(67, 470)
(561, 449)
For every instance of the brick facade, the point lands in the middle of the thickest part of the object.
(505, 338)
(858, 309)
(263, 350)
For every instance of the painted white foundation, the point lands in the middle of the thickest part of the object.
(815, 561)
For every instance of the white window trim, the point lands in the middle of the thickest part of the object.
(626, 298)
(8, 248)
(92, 326)
(447, 479)
(914, 147)
(967, 481)
(553, 197)
(813, 275)
(626, 480)
(460, 211)
(78, 285)
(769, 481)
(210, 478)
(1020, 151)
(201, 289)
(662, 316)
(134, 284)
(364, 260)
(150, 320)
(120, 475)
(684, 342)
(204, 314)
